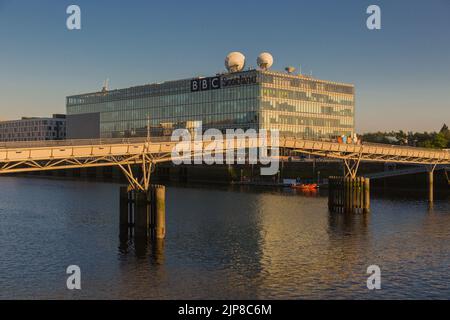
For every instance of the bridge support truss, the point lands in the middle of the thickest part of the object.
(136, 183)
(351, 167)
(142, 205)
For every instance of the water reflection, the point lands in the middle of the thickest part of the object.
(341, 225)
(222, 243)
(143, 247)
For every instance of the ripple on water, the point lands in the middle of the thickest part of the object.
(221, 244)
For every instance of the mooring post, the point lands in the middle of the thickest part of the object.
(330, 193)
(160, 212)
(158, 250)
(349, 195)
(358, 194)
(354, 195)
(430, 186)
(124, 205)
(366, 195)
(141, 214)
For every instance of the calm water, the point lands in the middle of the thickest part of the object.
(220, 244)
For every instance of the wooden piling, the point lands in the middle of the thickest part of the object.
(350, 195)
(124, 205)
(160, 212)
(366, 195)
(143, 213)
(430, 187)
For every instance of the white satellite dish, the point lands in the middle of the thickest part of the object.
(265, 60)
(235, 62)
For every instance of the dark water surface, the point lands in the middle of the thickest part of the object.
(220, 244)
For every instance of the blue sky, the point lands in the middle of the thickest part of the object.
(401, 72)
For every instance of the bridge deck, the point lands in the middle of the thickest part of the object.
(51, 155)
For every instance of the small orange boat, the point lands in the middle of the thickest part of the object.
(305, 186)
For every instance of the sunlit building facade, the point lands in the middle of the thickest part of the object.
(34, 129)
(296, 105)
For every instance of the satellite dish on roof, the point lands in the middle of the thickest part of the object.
(265, 60)
(235, 62)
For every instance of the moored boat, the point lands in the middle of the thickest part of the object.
(305, 186)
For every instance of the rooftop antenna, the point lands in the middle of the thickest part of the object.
(105, 87)
(148, 127)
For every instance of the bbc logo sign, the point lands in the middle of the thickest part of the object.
(205, 84)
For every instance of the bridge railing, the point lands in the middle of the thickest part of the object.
(77, 142)
(382, 145)
(107, 141)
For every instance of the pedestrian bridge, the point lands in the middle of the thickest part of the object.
(401, 172)
(18, 157)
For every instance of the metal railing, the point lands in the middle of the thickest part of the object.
(78, 142)
(109, 141)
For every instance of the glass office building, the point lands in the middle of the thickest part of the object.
(296, 105)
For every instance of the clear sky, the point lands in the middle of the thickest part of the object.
(401, 72)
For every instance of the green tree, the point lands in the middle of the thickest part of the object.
(425, 139)
(445, 131)
(440, 141)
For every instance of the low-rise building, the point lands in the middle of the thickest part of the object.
(34, 129)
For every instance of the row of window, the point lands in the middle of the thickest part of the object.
(318, 122)
(179, 100)
(31, 129)
(312, 133)
(235, 119)
(306, 107)
(307, 96)
(29, 123)
(183, 86)
(191, 111)
(35, 135)
(305, 83)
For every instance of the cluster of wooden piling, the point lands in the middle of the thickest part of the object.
(143, 213)
(349, 195)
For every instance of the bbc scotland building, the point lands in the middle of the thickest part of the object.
(295, 104)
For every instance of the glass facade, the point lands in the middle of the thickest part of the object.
(294, 104)
(305, 107)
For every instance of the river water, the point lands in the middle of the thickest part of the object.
(222, 243)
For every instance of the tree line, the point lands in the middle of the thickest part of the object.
(435, 140)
